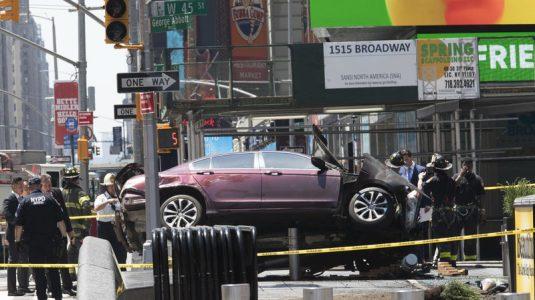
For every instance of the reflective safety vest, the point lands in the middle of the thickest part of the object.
(78, 203)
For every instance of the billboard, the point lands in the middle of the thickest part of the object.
(350, 13)
(447, 69)
(370, 64)
(248, 27)
(65, 105)
(506, 59)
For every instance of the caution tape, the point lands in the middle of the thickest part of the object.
(397, 244)
(90, 217)
(315, 251)
(504, 187)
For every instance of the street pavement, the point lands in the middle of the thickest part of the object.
(346, 285)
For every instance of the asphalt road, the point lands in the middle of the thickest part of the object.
(346, 285)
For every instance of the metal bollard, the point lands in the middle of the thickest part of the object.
(513, 296)
(409, 295)
(293, 244)
(319, 293)
(235, 291)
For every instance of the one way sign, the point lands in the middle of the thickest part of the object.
(147, 82)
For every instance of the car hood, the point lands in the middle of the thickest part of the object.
(321, 150)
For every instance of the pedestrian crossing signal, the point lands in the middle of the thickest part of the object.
(116, 21)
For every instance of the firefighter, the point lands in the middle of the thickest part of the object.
(441, 189)
(468, 191)
(78, 203)
(395, 161)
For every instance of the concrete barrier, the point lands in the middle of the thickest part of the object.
(513, 296)
(235, 292)
(409, 295)
(98, 274)
(318, 293)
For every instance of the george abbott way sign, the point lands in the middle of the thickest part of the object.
(148, 82)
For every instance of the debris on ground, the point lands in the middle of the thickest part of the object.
(457, 290)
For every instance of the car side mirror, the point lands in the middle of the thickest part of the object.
(318, 163)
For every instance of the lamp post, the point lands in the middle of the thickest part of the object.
(53, 42)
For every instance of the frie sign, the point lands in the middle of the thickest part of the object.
(148, 82)
(506, 59)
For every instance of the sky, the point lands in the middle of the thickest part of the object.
(103, 61)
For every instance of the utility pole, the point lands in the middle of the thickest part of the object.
(152, 194)
(55, 49)
(82, 92)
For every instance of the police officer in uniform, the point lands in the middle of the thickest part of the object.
(468, 191)
(78, 203)
(441, 189)
(39, 217)
(61, 245)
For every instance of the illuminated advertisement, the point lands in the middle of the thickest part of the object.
(350, 13)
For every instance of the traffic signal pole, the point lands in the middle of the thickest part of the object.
(82, 91)
(150, 155)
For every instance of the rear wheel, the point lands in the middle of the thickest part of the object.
(372, 207)
(181, 211)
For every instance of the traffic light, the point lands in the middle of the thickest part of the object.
(83, 148)
(116, 21)
(9, 10)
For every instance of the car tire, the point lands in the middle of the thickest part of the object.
(372, 207)
(181, 211)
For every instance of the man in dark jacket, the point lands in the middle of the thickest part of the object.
(16, 254)
(61, 246)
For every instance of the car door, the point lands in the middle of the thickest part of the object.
(290, 181)
(231, 181)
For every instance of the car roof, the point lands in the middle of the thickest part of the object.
(245, 152)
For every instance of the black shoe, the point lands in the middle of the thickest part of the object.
(26, 290)
(16, 294)
(69, 292)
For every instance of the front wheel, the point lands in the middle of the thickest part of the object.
(181, 211)
(372, 207)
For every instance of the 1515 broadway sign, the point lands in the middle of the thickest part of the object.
(447, 69)
(370, 64)
(506, 59)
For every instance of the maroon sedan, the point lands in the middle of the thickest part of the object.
(282, 187)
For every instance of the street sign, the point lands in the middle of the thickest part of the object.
(168, 23)
(127, 111)
(85, 118)
(55, 159)
(67, 141)
(148, 82)
(71, 124)
(171, 8)
(147, 103)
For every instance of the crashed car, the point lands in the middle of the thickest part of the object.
(274, 190)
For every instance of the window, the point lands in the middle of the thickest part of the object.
(234, 161)
(281, 160)
(202, 164)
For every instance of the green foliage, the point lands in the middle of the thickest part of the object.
(519, 188)
(457, 290)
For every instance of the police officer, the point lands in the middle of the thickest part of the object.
(441, 189)
(39, 217)
(61, 245)
(78, 203)
(468, 191)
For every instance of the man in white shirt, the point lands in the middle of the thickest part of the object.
(410, 170)
(106, 206)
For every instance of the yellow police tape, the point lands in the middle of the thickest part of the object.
(504, 187)
(398, 244)
(315, 251)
